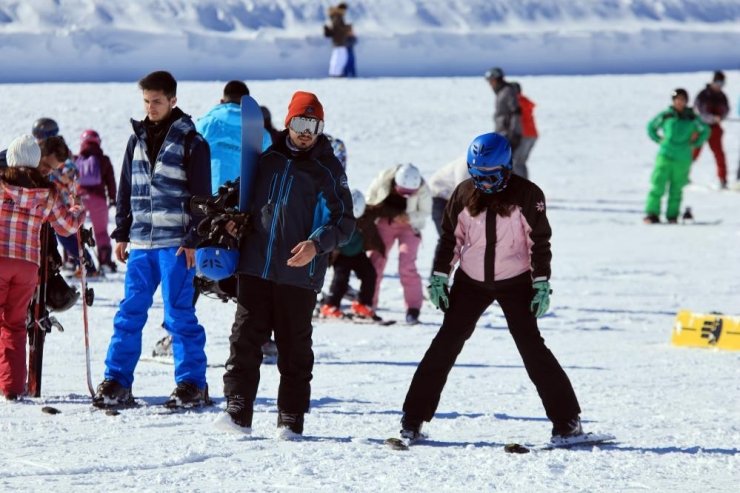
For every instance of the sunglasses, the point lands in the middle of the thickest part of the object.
(303, 125)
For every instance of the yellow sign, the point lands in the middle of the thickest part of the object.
(709, 330)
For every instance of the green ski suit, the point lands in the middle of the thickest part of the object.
(673, 163)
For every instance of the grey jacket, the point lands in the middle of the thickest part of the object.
(507, 117)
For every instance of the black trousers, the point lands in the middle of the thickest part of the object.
(264, 306)
(438, 211)
(343, 267)
(467, 304)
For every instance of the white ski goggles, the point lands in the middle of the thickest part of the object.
(303, 125)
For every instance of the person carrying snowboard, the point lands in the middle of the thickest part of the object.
(27, 199)
(165, 164)
(679, 131)
(301, 211)
(495, 226)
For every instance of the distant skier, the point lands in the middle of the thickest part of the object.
(712, 105)
(401, 200)
(678, 130)
(529, 133)
(507, 114)
(303, 211)
(27, 200)
(496, 228)
(166, 163)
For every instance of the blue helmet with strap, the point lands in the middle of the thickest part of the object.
(489, 162)
(216, 262)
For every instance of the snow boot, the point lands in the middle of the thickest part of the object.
(187, 394)
(412, 316)
(237, 417)
(362, 311)
(411, 428)
(112, 394)
(290, 424)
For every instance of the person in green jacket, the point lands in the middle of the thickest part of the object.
(678, 130)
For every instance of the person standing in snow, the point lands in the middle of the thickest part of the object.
(713, 107)
(401, 201)
(27, 200)
(97, 179)
(342, 62)
(165, 164)
(679, 131)
(507, 114)
(302, 211)
(496, 227)
(442, 183)
(352, 257)
(222, 129)
(529, 133)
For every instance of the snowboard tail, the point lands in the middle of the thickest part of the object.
(706, 330)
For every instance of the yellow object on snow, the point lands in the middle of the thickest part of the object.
(708, 330)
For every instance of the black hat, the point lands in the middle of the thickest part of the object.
(680, 92)
(494, 73)
(719, 76)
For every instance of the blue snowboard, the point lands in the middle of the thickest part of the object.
(252, 130)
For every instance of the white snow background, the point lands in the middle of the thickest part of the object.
(104, 40)
(617, 286)
(617, 283)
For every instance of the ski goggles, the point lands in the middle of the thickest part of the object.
(303, 125)
(490, 180)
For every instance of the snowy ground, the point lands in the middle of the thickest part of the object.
(617, 283)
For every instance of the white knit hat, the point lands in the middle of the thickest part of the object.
(24, 151)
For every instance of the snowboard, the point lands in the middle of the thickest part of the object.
(584, 440)
(252, 128)
(706, 330)
(38, 321)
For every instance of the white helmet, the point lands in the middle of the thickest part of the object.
(358, 203)
(408, 177)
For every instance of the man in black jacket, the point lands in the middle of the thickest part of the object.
(301, 212)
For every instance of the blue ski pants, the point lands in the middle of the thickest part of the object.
(146, 269)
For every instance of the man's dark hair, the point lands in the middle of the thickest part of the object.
(343, 6)
(719, 76)
(159, 81)
(55, 146)
(234, 90)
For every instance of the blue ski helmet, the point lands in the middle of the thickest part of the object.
(489, 162)
(216, 263)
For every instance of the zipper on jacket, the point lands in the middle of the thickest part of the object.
(273, 184)
(271, 240)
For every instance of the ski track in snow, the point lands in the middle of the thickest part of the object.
(617, 285)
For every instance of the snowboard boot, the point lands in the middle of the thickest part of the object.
(566, 429)
(411, 428)
(412, 316)
(188, 394)
(331, 312)
(163, 347)
(112, 394)
(651, 219)
(672, 220)
(292, 422)
(106, 260)
(362, 311)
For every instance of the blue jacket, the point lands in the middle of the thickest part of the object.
(153, 203)
(222, 128)
(297, 196)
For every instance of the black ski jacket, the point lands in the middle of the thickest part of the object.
(297, 197)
